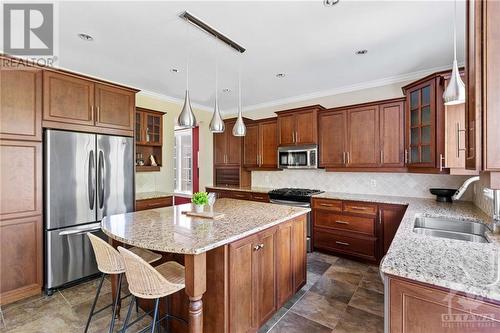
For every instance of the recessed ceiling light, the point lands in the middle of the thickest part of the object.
(174, 70)
(280, 75)
(329, 3)
(226, 90)
(361, 52)
(86, 37)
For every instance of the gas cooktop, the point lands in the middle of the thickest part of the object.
(293, 194)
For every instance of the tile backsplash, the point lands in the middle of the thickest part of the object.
(480, 199)
(397, 184)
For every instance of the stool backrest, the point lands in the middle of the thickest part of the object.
(144, 281)
(108, 258)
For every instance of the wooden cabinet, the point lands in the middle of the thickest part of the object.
(417, 307)
(252, 285)
(425, 126)
(356, 229)
(392, 140)
(21, 103)
(148, 138)
(241, 195)
(365, 137)
(228, 158)
(298, 126)
(152, 203)
(261, 145)
(390, 217)
(21, 223)
(74, 103)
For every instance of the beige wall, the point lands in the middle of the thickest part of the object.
(164, 179)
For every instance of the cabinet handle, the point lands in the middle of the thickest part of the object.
(381, 156)
(441, 158)
(406, 156)
(342, 243)
(341, 222)
(256, 247)
(358, 208)
(293, 137)
(325, 205)
(343, 157)
(380, 216)
(296, 136)
(257, 197)
(348, 157)
(261, 246)
(239, 195)
(458, 130)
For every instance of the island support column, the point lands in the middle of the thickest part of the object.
(196, 285)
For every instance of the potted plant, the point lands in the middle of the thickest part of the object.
(199, 199)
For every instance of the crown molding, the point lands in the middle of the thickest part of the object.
(174, 100)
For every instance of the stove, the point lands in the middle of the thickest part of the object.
(293, 194)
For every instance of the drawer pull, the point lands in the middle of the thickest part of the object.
(342, 243)
(358, 208)
(342, 222)
(256, 197)
(256, 247)
(326, 205)
(239, 195)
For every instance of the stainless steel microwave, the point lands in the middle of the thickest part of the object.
(298, 157)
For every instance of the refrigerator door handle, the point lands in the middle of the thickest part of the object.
(100, 180)
(91, 180)
(79, 231)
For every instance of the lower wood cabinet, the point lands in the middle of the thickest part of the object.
(416, 308)
(265, 270)
(355, 229)
(241, 195)
(153, 203)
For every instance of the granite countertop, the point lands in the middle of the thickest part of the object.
(468, 267)
(243, 188)
(168, 230)
(152, 195)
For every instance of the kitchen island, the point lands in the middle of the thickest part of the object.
(239, 269)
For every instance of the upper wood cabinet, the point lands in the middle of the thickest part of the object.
(392, 140)
(21, 103)
(72, 102)
(261, 145)
(363, 137)
(298, 126)
(227, 147)
(425, 125)
(148, 138)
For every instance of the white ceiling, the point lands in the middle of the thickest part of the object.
(137, 43)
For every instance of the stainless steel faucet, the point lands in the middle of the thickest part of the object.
(458, 194)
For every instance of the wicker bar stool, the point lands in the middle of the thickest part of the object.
(109, 261)
(146, 281)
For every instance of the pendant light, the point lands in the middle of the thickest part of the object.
(455, 91)
(186, 117)
(239, 128)
(216, 124)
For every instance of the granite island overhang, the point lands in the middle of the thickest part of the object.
(244, 265)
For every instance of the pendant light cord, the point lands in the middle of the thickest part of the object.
(216, 71)
(455, 32)
(239, 88)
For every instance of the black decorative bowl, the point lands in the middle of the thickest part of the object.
(443, 194)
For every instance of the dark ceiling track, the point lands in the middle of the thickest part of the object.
(208, 29)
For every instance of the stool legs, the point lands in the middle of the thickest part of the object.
(129, 312)
(115, 304)
(155, 316)
(94, 303)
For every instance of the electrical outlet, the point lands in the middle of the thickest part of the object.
(373, 183)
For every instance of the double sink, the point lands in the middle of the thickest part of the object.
(451, 228)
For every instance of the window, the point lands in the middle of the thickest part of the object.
(183, 161)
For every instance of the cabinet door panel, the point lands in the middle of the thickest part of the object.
(286, 128)
(363, 137)
(269, 144)
(234, 147)
(267, 276)
(242, 285)
(299, 252)
(332, 137)
(20, 179)
(67, 99)
(21, 104)
(115, 107)
(251, 147)
(306, 127)
(392, 135)
(153, 129)
(285, 264)
(390, 216)
(220, 148)
(20, 257)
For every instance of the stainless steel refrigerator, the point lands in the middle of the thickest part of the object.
(86, 177)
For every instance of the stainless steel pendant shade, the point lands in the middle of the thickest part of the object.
(239, 128)
(186, 117)
(217, 124)
(455, 91)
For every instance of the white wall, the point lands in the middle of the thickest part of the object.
(164, 179)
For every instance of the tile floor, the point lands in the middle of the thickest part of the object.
(340, 296)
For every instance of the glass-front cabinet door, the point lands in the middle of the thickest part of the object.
(421, 118)
(152, 129)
